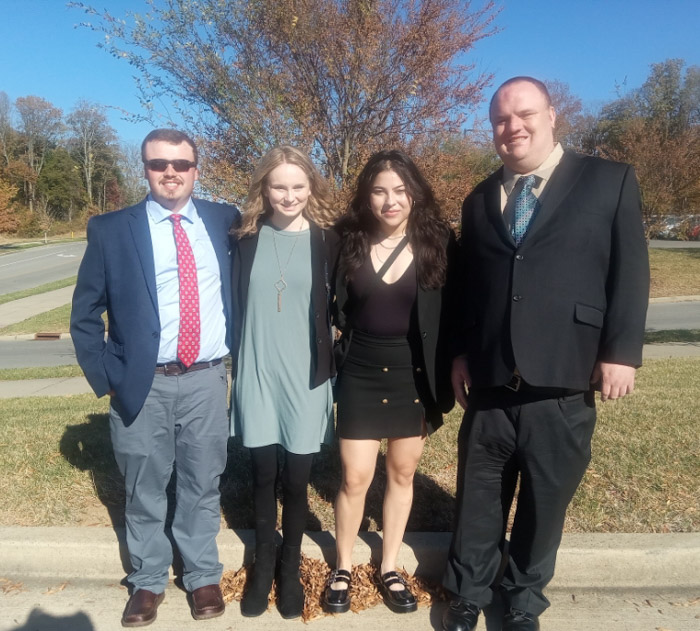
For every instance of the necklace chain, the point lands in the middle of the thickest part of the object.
(281, 284)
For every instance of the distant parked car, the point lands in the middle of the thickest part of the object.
(677, 227)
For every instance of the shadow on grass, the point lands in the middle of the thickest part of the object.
(432, 511)
(88, 447)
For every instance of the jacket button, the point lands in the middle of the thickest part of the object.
(419, 369)
(318, 315)
(425, 334)
(385, 369)
(385, 400)
(155, 334)
(319, 340)
(518, 257)
(517, 298)
(416, 400)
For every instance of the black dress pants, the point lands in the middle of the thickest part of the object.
(542, 435)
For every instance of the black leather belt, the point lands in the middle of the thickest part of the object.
(178, 368)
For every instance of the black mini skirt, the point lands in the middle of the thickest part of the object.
(377, 390)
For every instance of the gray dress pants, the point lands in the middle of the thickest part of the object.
(183, 424)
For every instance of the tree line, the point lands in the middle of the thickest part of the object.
(58, 169)
(344, 78)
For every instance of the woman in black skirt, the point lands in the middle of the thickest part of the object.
(393, 379)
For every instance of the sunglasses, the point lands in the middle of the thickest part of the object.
(159, 165)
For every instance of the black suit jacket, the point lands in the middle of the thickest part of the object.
(117, 274)
(574, 292)
(324, 253)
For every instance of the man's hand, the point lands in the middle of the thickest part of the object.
(613, 380)
(461, 380)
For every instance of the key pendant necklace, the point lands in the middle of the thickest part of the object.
(280, 285)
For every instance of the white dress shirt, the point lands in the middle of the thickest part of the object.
(212, 343)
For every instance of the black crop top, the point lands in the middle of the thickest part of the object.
(389, 307)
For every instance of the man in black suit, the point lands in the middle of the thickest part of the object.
(554, 281)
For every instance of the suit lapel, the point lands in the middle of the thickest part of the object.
(141, 234)
(562, 181)
(492, 206)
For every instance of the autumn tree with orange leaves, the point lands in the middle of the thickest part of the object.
(340, 78)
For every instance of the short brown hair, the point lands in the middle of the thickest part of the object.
(522, 79)
(172, 136)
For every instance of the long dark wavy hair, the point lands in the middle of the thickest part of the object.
(426, 231)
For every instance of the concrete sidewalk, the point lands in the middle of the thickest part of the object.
(23, 308)
(60, 579)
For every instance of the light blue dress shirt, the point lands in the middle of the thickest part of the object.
(212, 343)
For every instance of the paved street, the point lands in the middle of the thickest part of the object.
(32, 267)
(33, 353)
(667, 316)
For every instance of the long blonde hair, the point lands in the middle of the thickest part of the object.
(318, 208)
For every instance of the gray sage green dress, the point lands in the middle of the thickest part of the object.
(273, 402)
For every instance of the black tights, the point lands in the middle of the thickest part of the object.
(295, 482)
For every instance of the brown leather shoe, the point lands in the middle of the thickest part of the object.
(141, 608)
(207, 602)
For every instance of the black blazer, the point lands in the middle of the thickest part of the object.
(117, 274)
(324, 253)
(433, 325)
(574, 292)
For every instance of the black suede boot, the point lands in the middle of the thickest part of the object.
(254, 602)
(290, 593)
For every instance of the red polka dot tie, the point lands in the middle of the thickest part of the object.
(188, 336)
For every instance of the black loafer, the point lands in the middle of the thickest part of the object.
(518, 620)
(398, 600)
(460, 616)
(337, 600)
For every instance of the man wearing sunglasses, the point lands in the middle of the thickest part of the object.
(161, 271)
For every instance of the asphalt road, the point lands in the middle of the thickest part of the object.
(667, 316)
(32, 353)
(32, 267)
(663, 243)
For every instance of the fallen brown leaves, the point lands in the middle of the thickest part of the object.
(314, 573)
(7, 586)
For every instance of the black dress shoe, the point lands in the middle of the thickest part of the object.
(337, 600)
(398, 600)
(518, 620)
(207, 602)
(141, 608)
(460, 616)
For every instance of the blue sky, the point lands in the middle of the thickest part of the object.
(593, 45)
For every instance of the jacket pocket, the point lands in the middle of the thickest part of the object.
(114, 348)
(588, 315)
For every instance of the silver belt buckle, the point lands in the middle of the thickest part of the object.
(514, 383)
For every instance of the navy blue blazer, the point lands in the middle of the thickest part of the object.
(117, 274)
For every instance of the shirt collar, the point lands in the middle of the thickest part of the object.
(158, 213)
(543, 172)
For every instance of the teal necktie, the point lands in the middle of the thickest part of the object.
(525, 206)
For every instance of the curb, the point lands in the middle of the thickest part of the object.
(24, 337)
(585, 561)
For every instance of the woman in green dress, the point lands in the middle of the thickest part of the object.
(282, 402)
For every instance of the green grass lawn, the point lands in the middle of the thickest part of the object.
(56, 465)
(42, 372)
(42, 289)
(674, 272)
